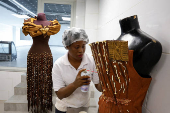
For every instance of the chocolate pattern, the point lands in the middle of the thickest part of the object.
(39, 66)
(123, 90)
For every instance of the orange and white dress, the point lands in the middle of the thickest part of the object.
(123, 88)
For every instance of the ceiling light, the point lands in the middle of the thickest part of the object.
(16, 3)
(20, 16)
(66, 18)
(10, 7)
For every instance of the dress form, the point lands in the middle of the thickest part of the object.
(147, 50)
(40, 63)
(40, 45)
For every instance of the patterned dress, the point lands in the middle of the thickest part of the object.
(39, 65)
(123, 88)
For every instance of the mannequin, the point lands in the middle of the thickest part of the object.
(39, 63)
(147, 50)
(41, 20)
(37, 47)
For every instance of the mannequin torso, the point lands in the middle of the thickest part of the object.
(147, 50)
(40, 44)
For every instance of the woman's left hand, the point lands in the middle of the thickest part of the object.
(81, 80)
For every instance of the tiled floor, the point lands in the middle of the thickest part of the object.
(22, 51)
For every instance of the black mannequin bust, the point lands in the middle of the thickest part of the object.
(41, 20)
(147, 50)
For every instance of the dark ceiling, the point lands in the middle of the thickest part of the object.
(52, 11)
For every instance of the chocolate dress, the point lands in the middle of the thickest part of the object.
(39, 65)
(123, 88)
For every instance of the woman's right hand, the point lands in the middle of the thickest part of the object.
(81, 80)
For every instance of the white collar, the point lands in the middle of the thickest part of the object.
(83, 62)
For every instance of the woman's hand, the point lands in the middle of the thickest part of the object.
(68, 90)
(81, 80)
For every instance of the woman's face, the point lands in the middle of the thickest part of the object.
(76, 50)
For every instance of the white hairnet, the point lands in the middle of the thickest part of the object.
(74, 34)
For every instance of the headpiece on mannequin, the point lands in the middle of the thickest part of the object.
(41, 17)
(41, 20)
(74, 34)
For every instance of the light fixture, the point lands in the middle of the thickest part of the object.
(16, 3)
(66, 18)
(21, 16)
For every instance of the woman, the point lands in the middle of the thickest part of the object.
(66, 73)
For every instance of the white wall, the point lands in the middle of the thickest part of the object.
(10, 28)
(7, 18)
(8, 80)
(6, 32)
(154, 19)
(91, 21)
(87, 18)
(57, 38)
(80, 14)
